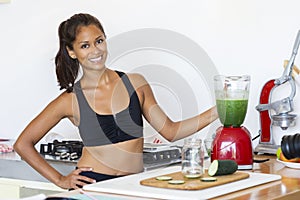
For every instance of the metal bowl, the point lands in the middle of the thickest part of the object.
(284, 120)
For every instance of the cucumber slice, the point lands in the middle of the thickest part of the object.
(176, 182)
(222, 167)
(163, 178)
(192, 175)
(208, 179)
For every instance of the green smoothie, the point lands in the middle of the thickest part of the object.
(232, 112)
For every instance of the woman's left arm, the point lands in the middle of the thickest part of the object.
(158, 119)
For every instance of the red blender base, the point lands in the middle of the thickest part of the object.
(234, 144)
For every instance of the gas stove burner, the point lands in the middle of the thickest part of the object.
(64, 155)
(74, 156)
(64, 150)
(284, 120)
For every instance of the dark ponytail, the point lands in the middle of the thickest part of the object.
(66, 67)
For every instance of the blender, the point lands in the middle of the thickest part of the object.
(232, 141)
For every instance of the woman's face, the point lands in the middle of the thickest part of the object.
(89, 48)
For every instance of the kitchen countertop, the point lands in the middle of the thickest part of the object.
(19, 180)
(11, 163)
(12, 166)
(286, 188)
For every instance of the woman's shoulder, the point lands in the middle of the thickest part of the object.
(64, 104)
(63, 99)
(137, 79)
(66, 96)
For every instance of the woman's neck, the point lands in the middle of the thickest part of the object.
(93, 79)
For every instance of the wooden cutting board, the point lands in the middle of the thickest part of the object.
(193, 184)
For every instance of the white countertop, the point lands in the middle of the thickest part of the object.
(130, 185)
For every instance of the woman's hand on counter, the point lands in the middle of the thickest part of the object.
(74, 180)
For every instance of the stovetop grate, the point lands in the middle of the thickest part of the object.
(70, 151)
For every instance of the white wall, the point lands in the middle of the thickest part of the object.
(241, 37)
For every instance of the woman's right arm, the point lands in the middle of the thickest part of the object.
(56, 110)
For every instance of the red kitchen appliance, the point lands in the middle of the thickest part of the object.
(232, 141)
(276, 113)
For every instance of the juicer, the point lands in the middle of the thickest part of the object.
(232, 141)
(277, 113)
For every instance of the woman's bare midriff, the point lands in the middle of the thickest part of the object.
(114, 159)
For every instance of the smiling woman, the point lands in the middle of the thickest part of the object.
(108, 107)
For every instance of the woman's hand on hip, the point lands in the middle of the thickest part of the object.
(74, 180)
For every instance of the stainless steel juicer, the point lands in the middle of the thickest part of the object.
(277, 113)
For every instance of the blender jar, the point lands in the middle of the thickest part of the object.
(232, 94)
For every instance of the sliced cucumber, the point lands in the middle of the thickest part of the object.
(222, 167)
(192, 175)
(163, 178)
(176, 182)
(208, 179)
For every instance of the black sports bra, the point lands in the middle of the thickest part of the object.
(96, 129)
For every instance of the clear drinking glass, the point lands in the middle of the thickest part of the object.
(192, 164)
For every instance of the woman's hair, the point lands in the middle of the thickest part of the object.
(66, 67)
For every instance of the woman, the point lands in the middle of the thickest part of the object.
(107, 106)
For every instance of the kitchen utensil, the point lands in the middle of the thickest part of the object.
(277, 113)
(232, 141)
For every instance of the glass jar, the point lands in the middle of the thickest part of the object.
(192, 155)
